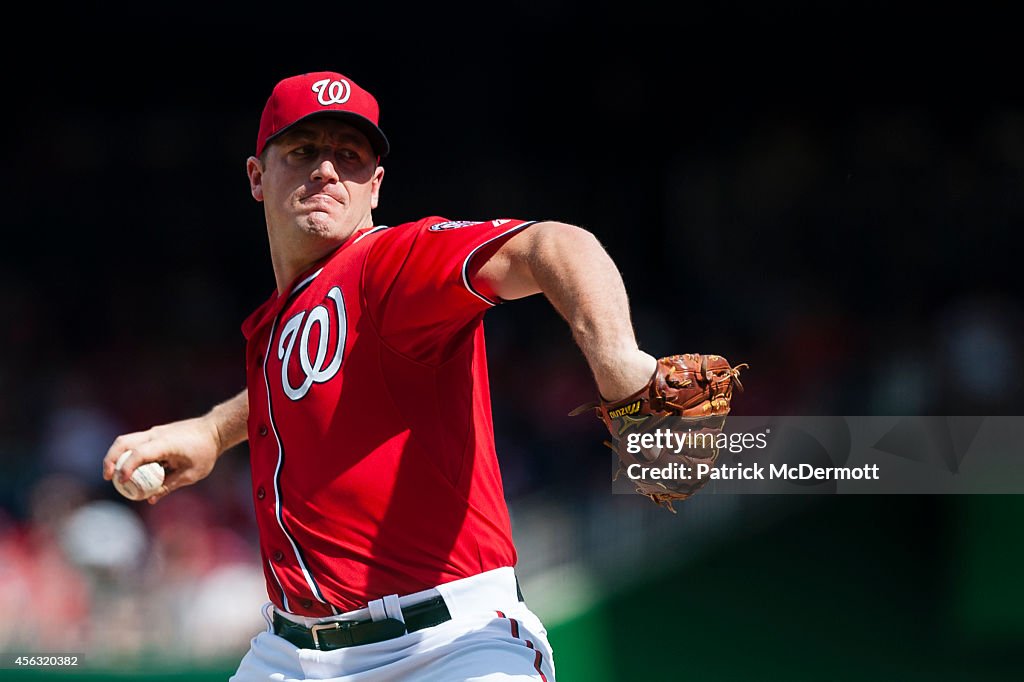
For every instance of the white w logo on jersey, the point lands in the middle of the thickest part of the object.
(332, 92)
(314, 370)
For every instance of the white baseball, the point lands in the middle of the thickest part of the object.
(144, 483)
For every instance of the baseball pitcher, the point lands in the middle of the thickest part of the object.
(384, 534)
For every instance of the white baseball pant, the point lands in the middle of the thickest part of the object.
(491, 636)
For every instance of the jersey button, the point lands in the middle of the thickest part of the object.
(306, 603)
(263, 429)
(260, 493)
(278, 556)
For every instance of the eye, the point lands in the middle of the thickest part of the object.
(303, 150)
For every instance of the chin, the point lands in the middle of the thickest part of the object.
(323, 228)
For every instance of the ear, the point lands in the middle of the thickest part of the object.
(254, 169)
(378, 178)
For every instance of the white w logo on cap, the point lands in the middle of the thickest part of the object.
(332, 92)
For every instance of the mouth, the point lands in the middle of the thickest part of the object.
(320, 195)
(319, 200)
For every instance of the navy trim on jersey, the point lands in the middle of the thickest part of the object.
(310, 580)
(376, 229)
(465, 263)
(284, 596)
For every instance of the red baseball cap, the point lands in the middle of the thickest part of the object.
(321, 93)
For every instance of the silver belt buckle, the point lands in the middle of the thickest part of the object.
(315, 630)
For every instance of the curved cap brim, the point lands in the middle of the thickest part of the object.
(374, 134)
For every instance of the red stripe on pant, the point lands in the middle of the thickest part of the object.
(514, 626)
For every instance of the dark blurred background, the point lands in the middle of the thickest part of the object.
(829, 193)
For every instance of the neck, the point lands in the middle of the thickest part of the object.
(290, 263)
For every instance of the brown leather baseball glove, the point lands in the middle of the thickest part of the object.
(688, 396)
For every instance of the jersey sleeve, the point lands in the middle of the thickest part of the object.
(419, 286)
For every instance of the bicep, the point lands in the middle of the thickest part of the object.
(510, 269)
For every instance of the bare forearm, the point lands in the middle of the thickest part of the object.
(228, 421)
(187, 449)
(582, 282)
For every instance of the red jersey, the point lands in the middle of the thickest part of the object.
(372, 449)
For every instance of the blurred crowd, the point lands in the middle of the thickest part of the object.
(861, 266)
(88, 572)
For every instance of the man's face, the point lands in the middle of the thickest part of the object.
(318, 182)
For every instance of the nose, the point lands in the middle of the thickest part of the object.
(325, 171)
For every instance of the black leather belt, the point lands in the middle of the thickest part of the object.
(339, 634)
